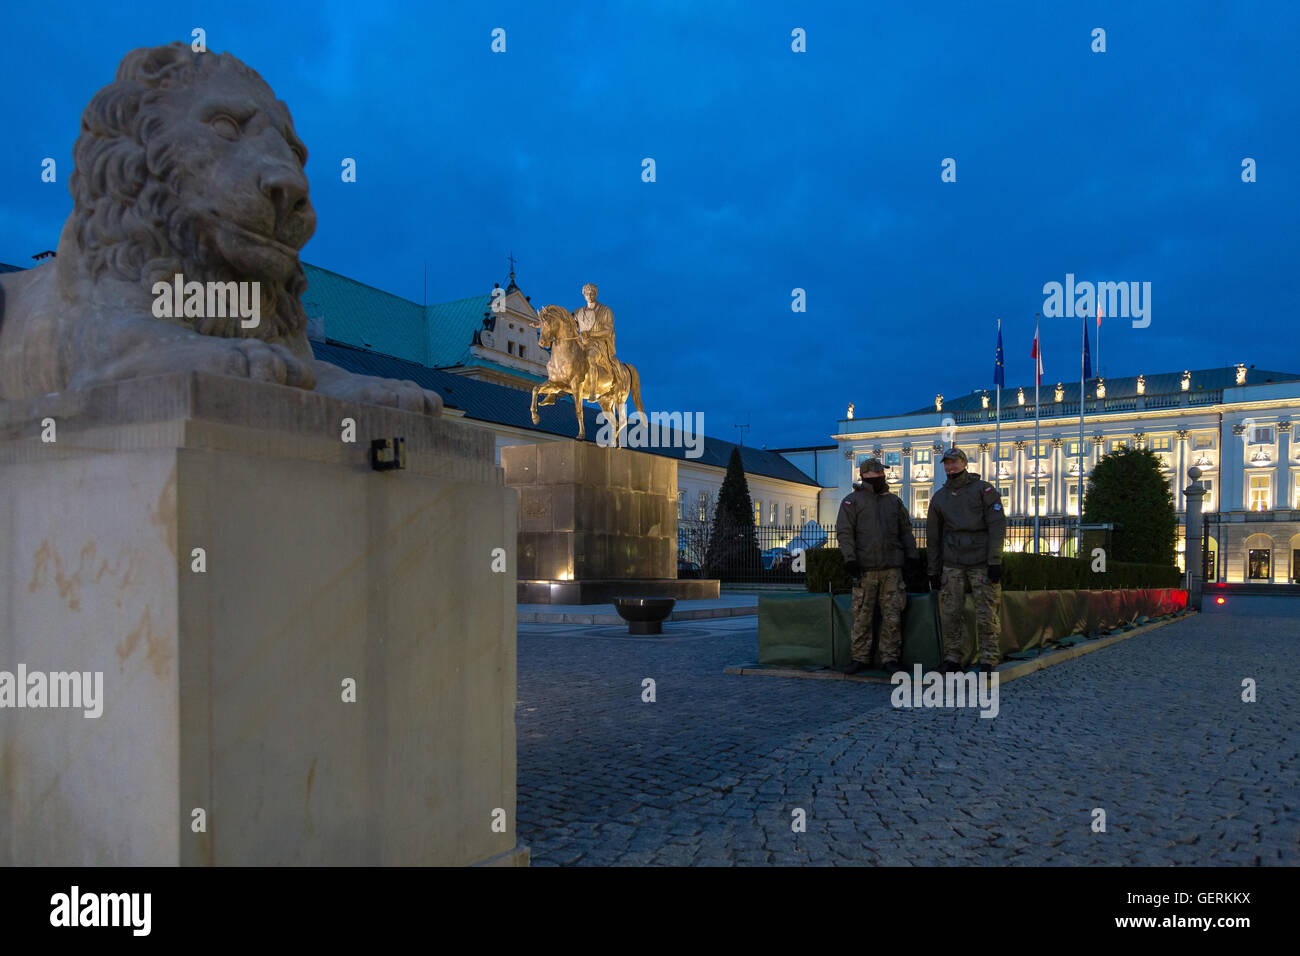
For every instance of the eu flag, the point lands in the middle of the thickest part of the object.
(1087, 356)
(999, 378)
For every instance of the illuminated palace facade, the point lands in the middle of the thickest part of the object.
(1236, 424)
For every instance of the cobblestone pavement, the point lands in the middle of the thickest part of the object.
(1152, 730)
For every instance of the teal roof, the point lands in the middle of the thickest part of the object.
(366, 317)
(438, 336)
(451, 328)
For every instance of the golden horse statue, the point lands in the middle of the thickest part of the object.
(571, 371)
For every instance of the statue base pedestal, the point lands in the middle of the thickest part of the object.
(304, 661)
(596, 523)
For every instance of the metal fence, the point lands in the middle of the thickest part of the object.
(772, 560)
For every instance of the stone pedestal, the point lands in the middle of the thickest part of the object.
(224, 683)
(596, 522)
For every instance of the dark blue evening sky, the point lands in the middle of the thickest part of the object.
(775, 170)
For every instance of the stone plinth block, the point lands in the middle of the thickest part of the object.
(588, 512)
(234, 569)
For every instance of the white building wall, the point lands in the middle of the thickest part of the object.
(1212, 437)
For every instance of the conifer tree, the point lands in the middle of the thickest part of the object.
(1128, 489)
(733, 545)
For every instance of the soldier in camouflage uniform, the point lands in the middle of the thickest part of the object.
(963, 537)
(875, 536)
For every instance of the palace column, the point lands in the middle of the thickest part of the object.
(1021, 506)
(1181, 465)
(1284, 465)
(906, 492)
(1057, 487)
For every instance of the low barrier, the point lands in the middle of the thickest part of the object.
(815, 630)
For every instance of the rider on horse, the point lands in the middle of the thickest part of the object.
(596, 327)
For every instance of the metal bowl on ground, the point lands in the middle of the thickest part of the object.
(644, 615)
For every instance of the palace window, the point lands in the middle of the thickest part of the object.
(1072, 499)
(521, 351)
(1259, 564)
(1038, 500)
(1203, 441)
(921, 456)
(803, 515)
(892, 458)
(1007, 452)
(510, 347)
(789, 515)
(1005, 494)
(1207, 503)
(921, 502)
(1161, 443)
(1072, 449)
(681, 505)
(772, 514)
(758, 513)
(704, 506)
(1260, 487)
(1117, 443)
(1262, 436)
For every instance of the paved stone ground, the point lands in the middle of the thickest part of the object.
(1151, 730)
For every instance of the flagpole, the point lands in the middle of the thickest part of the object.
(997, 422)
(1078, 519)
(1038, 361)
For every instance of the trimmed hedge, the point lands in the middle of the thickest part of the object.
(1020, 572)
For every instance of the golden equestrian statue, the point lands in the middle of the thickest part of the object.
(583, 363)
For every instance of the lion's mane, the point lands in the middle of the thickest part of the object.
(128, 216)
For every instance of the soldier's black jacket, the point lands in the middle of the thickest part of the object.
(965, 525)
(874, 530)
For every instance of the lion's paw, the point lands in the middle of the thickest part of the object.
(395, 393)
(256, 360)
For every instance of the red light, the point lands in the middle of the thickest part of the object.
(1218, 600)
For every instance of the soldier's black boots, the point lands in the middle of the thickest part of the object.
(892, 666)
(853, 668)
(988, 668)
(950, 667)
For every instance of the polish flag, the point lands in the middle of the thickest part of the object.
(1037, 356)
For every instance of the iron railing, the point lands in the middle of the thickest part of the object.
(1014, 412)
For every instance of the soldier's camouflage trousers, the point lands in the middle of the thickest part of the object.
(887, 588)
(952, 605)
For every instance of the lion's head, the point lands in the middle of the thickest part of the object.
(188, 163)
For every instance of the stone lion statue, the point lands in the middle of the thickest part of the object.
(186, 164)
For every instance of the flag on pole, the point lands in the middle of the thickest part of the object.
(1099, 332)
(1037, 356)
(1087, 356)
(999, 378)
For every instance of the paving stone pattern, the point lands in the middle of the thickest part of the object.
(1152, 730)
